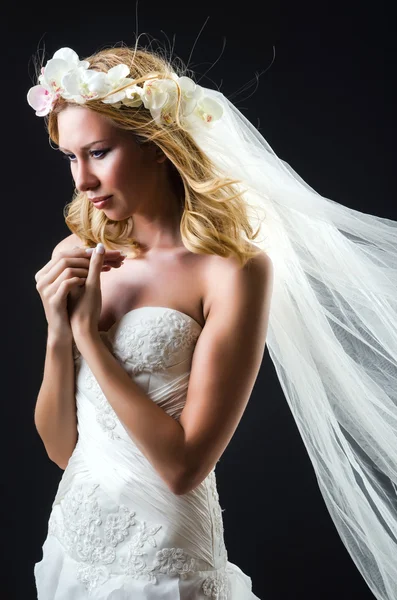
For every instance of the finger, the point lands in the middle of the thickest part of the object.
(113, 254)
(76, 252)
(50, 290)
(56, 256)
(111, 260)
(96, 264)
(57, 270)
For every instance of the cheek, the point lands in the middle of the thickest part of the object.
(115, 173)
(128, 171)
(130, 174)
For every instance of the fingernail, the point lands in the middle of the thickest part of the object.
(89, 250)
(123, 254)
(100, 248)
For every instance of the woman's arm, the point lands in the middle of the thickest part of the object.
(225, 364)
(55, 413)
(159, 436)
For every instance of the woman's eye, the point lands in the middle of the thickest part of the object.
(71, 157)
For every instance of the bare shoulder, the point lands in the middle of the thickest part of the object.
(226, 280)
(260, 262)
(67, 243)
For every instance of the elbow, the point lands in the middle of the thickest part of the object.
(177, 486)
(186, 483)
(60, 461)
(62, 464)
(179, 489)
(188, 477)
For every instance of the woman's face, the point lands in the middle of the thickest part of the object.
(107, 161)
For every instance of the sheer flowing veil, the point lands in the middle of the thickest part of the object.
(332, 336)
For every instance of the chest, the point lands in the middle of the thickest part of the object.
(178, 282)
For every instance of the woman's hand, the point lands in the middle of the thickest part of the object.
(85, 310)
(61, 279)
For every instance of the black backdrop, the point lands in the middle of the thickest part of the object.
(324, 103)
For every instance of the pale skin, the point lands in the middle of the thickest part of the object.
(232, 304)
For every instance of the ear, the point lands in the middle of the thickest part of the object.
(160, 156)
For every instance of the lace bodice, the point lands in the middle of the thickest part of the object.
(155, 346)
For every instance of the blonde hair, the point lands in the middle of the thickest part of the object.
(214, 215)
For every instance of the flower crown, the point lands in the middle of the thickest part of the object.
(66, 76)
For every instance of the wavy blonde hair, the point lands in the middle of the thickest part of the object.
(214, 214)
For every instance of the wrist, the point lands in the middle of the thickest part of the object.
(59, 338)
(84, 335)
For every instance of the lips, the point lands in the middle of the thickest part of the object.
(98, 199)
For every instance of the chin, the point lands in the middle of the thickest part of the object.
(115, 215)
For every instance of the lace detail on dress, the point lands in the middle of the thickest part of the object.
(94, 544)
(78, 534)
(153, 344)
(217, 514)
(217, 587)
(149, 344)
(107, 418)
(174, 561)
(105, 415)
(134, 565)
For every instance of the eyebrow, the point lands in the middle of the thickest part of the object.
(83, 147)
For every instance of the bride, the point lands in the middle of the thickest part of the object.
(163, 344)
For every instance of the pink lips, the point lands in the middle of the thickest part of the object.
(100, 202)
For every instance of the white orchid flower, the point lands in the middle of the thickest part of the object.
(81, 85)
(209, 110)
(191, 94)
(133, 96)
(160, 97)
(117, 77)
(70, 56)
(156, 93)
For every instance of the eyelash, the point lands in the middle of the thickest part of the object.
(102, 152)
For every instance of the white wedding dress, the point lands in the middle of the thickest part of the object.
(116, 531)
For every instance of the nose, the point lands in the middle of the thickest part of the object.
(84, 178)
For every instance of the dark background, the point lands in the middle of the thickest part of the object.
(324, 103)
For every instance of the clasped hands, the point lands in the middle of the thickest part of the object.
(85, 309)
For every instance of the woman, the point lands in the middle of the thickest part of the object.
(167, 345)
(137, 512)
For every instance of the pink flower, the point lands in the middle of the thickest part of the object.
(41, 100)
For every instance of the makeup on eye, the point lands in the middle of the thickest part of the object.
(92, 152)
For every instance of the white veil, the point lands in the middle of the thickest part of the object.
(332, 337)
